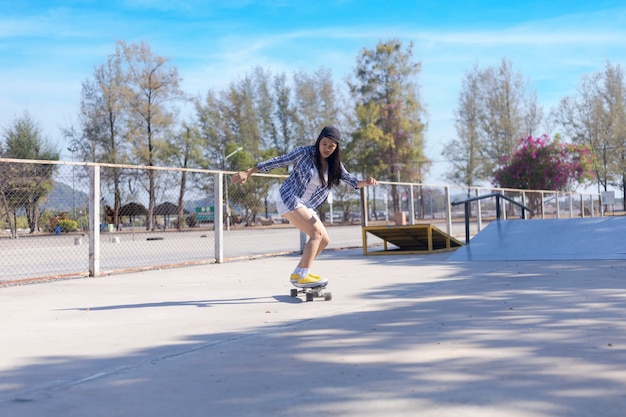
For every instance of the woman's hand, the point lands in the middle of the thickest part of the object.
(240, 177)
(368, 181)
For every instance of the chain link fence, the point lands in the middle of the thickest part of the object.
(64, 219)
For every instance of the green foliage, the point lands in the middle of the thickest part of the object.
(388, 141)
(21, 223)
(83, 222)
(24, 186)
(24, 140)
(68, 225)
(389, 134)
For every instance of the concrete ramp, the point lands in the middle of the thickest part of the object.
(549, 239)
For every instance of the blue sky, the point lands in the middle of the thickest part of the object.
(48, 48)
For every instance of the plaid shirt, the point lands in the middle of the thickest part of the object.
(292, 190)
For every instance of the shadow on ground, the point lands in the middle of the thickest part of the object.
(523, 339)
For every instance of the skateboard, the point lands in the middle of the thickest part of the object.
(318, 291)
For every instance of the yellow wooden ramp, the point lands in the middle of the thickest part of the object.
(418, 238)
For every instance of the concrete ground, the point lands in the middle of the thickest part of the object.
(404, 335)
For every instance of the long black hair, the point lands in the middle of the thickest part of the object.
(333, 161)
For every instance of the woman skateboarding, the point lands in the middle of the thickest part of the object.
(315, 170)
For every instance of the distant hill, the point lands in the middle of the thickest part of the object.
(63, 198)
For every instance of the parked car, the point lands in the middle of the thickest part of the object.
(337, 216)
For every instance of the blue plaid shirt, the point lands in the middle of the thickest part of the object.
(303, 161)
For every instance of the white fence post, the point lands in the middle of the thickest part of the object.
(449, 210)
(94, 220)
(218, 216)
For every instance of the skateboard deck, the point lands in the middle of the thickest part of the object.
(318, 291)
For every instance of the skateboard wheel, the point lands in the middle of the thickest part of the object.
(309, 296)
(294, 292)
(328, 296)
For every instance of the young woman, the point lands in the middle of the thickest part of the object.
(315, 170)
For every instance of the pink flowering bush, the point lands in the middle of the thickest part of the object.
(543, 164)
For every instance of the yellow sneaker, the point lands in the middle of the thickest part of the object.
(311, 280)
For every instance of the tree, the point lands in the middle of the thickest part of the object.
(185, 151)
(151, 87)
(388, 138)
(596, 118)
(544, 164)
(316, 104)
(103, 125)
(285, 114)
(265, 116)
(494, 109)
(464, 152)
(211, 128)
(616, 109)
(265, 103)
(242, 113)
(127, 115)
(501, 116)
(25, 186)
(316, 101)
(235, 118)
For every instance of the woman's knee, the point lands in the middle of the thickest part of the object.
(323, 238)
(320, 235)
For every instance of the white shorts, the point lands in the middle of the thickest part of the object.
(282, 207)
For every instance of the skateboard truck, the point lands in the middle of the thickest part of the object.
(312, 292)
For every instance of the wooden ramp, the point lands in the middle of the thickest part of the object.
(418, 238)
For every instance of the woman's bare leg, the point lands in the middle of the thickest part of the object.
(313, 227)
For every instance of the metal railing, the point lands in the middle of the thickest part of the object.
(498, 197)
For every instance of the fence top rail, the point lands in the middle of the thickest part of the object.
(216, 171)
(497, 195)
(127, 166)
